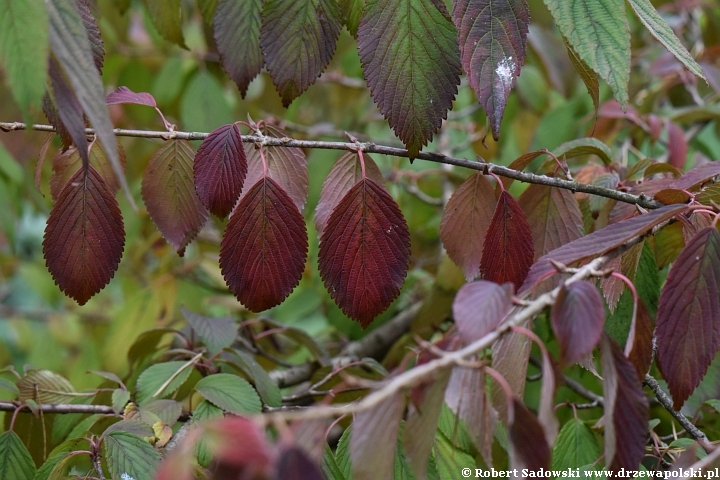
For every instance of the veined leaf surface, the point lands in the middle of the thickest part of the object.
(237, 35)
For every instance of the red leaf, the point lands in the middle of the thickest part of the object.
(69, 110)
(65, 164)
(294, 464)
(508, 250)
(125, 95)
(612, 287)
(240, 448)
(220, 169)
(411, 62)
(237, 35)
(264, 247)
(84, 236)
(528, 447)
(639, 348)
(554, 216)
(287, 166)
(169, 194)
(373, 439)
(599, 242)
(671, 195)
(677, 145)
(93, 33)
(298, 40)
(688, 323)
(465, 222)
(492, 36)
(578, 317)
(626, 409)
(479, 307)
(365, 252)
(697, 176)
(344, 175)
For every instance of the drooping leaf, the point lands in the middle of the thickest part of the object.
(492, 36)
(599, 34)
(677, 145)
(585, 146)
(287, 166)
(161, 380)
(216, 333)
(373, 439)
(70, 44)
(84, 236)
(124, 95)
(661, 30)
(65, 111)
(129, 456)
(510, 358)
(207, 9)
(231, 393)
(93, 33)
(465, 221)
(237, 35)
(639, 348)
(264, 247)
(45, 386)
(170, 197)
(53, 468)
(15, 460)
(298, 40)
(66, 164)
(575, 446)
(167, 17)
(50, 109)
(554, 217)
(220, 169)
(351, 13)
(600, 242)
(411, 62)
(365, 252)
(294, 464)
(24, 49)
(669, 242)
(267, 389)
(528, 447)
(344, 175)
(588, 76)
(577, 317)
(626, 409)
(688, 321)
(508, 249)
(479, 307)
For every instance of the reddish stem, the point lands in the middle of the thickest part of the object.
(264, 162)
(362, 162)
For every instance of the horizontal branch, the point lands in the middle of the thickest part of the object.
(479, 165)
(62, 408)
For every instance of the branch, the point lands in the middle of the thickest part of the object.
(61, 408)
(479, 165)
(667, 402)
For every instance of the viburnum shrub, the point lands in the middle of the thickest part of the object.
(546, 291)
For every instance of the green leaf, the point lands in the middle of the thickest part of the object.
(53, 469)
(24, 49)
(588, 76)
(120, 398)
(130, 456)
(215, 333)
(151, 381)
(207, 8)
(70, 44)
(598, 32)
(231, 393)
(15, 460)
(350, 13)
(167, 17)
(6, 384)
(585, 146)
(168, 411)
(411, 61)
(575, 446)
(266, 388)
(450, 460)
(204, 107)
(238, 23)
(45, 386)
(330, 467)
(660, 30)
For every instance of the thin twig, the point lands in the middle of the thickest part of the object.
(62, 408)
(485, 167)
(667, 402)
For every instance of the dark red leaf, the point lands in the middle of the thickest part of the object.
(671, 195)
(294, 464)
(50, 110)
(69, 111)
(125, 95)
(373, 439)
(66, 163)
(344, 175)
(220, 169)
(677, 145)
(554, 216)
(578, 317)
(492, 36)
(287, 166)
(465, 222)
(639, 348)
(411, 62)
(626, 409)
(599, 242)
(365, 252)
(479, 307)
(240, 449)
(84, 236)
(169, 195)
(528, 447)
(688, 322)
(264, 247)
(237, 35)
(298, 40)
(508, 249)
(93, 33)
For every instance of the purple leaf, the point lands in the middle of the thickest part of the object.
(528, 447)
(578, 317)
(125, 95)
(294, 464)
(373, 439)
(492, 36)
(69, 111)
(66, 163)
(479, 307)
(93, 33)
